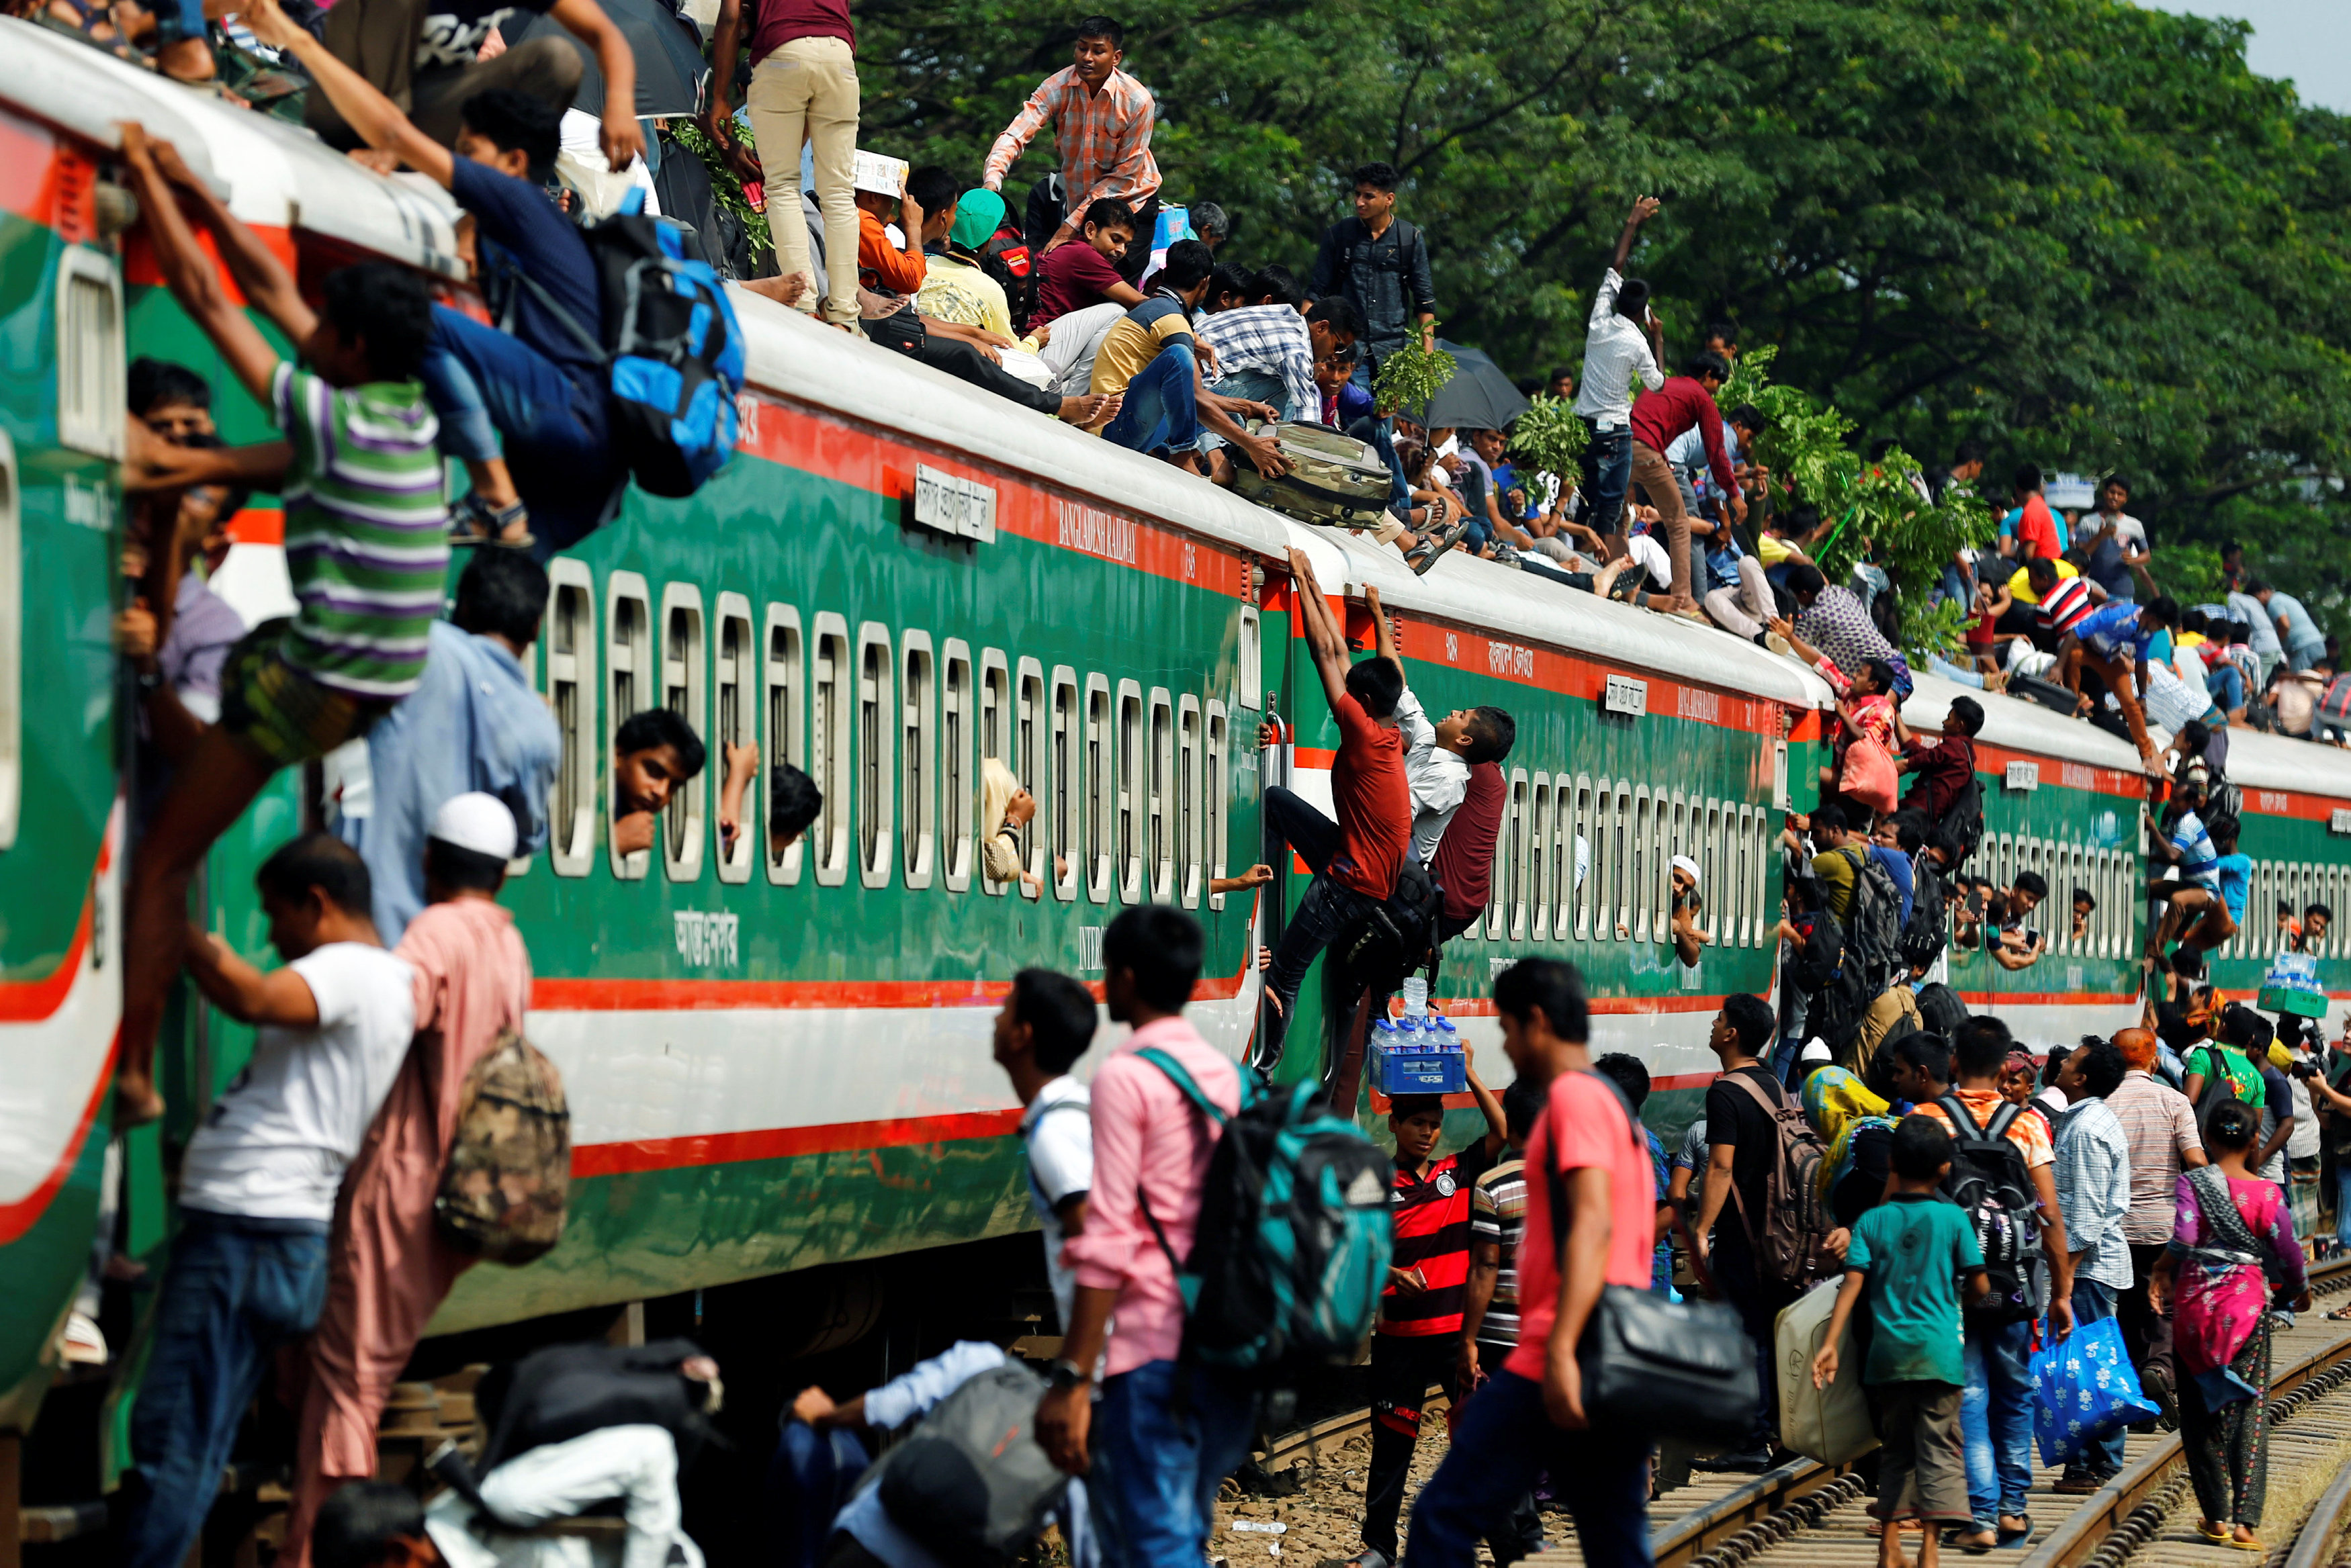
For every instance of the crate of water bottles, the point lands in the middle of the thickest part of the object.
(1420, 1053)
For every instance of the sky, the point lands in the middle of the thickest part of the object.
(2307, 41)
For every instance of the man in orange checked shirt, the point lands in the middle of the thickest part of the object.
(1102, 119)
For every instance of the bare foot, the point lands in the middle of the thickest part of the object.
(782, 290)
(1093, 408)
(136, 1103)
(1984, 1538)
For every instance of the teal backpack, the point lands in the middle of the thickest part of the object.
(1292, 1252)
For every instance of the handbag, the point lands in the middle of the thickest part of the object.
(2083, 1389)
(1868, 776)
(1660, 1367)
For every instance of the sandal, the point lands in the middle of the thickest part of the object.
(1421, 559)
(2340, 1314)
(2207, 1531)
(473, 521)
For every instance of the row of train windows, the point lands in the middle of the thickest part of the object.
(2113, 879)
(1581, 859)
(1130, 785)
(2298, 884)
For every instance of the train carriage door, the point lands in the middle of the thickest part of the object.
(737, 683)
(875, 809)
(571, 688)
(1190, 807)
(1162, 831)
(917, 759)
(829, 692)
(787, 737)
(682, 692)
(629, 677)
(958, 787)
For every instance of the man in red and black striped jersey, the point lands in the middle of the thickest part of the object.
(1419, 1337)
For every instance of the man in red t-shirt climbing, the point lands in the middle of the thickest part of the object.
(1354, 860)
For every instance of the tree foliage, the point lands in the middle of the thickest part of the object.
(2080, 230)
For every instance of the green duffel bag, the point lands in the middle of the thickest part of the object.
(1333, 478)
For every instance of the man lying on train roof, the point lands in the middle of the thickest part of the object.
(526, 409)
(294, 689)
(653, 753)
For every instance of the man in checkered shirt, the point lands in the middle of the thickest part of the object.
(1101, 118)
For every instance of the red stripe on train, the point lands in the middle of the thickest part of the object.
(784, 1143)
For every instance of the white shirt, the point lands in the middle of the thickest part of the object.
(1437, 778)
(1060, 1166)
(275, 1143)
(2128, 530)
(637, 1464)
(1651, 555)
(2301, 1143)
(1615, 350)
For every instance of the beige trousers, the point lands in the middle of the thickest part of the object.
(807, 91)
(1651, 474)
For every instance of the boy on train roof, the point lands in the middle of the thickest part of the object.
(366, 549)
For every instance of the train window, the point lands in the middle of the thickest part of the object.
(683, 690)
(12, 644)
(876, 736)
(1252, 661)
(629, 677)
(1741, 849)
(958, 787)
(1070, 812)
(1675, 836)
(571, 693)
(787, 733)
(737, 725)
(1504, 910)
(998, 717)
(1623, 868)
(1213, 807)
(1608, 849)
(1522, 826)
(1164, 830)
(917, 758)
(89, 353)
(1577, 863)
(1025, 750)
(828, 760)
(1642, 866)
(1101, 788)
(1189, 806)
(1709, 861)
(1129, 787)
(1539, 855)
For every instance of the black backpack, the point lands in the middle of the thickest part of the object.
(2218, 1087)
(1963, 821)
(1873, 923)
(971, 1482)
(1399, 936)
(1928, 931)
(1988, 1181)
(1941, 1009)
(567, 1391)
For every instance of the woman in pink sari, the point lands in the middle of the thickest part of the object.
(2233, 1252)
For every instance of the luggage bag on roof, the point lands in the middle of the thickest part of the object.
(1333, 478)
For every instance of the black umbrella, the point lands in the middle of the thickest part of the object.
(669, 58)
(1479, 398)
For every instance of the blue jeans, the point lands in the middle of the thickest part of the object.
(1265, 387)
(1381, 433)
(1157, 1470)
(809, 1480)
(2343, 1199)
(1504, 1437)
(2227, 684)
(495, 393)
(2094, 1302)
(1938, 665)
(1607, 473)
(2304, 655)
(236, 1289)
(1996, 1421)
(1160, 410)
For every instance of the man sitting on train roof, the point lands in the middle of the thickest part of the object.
(1832, 619)
(367, 550)
(542, 385)
(655, 752)
(1148, 357)
(473, 723)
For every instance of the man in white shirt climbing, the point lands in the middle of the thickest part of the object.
(1624, 342)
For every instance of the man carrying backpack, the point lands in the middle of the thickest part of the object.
(1170, 1430)
(1769, 1246)
(541, 384)
(2003, 1173)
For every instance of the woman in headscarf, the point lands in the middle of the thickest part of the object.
(1006, 807)
(2232, 1253)
(956, 287)
(1859, 1128)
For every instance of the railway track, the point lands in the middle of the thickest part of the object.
(1810, 1515)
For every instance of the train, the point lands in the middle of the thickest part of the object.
(777, 1062)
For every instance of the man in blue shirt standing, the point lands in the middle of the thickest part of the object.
(472, 723)
(2304, 644)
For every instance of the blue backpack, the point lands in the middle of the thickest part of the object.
(672, 346)
(1292, 1252)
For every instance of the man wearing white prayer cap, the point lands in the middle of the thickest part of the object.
(1690, 936)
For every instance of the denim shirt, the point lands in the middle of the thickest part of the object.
(472, 723)
(1387, 277)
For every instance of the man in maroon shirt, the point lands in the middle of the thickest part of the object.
(1078, 275)
(1355, 860)
(1940, 769)
(1658, 418)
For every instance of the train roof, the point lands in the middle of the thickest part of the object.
(2021, 725)
(795, 357)
(2277, 761)
(272, 174)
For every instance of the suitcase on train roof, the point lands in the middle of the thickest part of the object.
(1333, 479)
(2048, 693)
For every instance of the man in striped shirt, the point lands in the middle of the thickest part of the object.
(1101, 118)
(2061, 598)
(1428, 1285)
(367, 549)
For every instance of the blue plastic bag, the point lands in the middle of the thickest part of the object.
(2084, 1388)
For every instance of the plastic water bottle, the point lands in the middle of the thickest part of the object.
(1416, 997)
(1384, 1032)
(1448, 1037)
(1408, 1034)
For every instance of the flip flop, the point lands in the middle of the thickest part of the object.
(2217, 1537)
(2340, 1314)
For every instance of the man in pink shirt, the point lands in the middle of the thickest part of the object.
(1165, 1436)
(1530, 1415)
